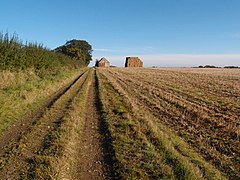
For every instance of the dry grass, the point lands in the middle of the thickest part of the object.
(14, 79)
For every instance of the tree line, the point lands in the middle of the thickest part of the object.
(211, 66)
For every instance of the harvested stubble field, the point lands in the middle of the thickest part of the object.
(128, 123)
(176, 123)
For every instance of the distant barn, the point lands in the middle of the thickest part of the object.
(103, 62)
(133, 62)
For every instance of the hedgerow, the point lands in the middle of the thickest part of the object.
(17, 56)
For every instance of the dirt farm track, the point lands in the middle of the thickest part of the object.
(129, 123)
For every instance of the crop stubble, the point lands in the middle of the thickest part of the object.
(202, 107)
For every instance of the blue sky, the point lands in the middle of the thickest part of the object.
(160, 32)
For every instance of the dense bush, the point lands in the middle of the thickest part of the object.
(15, 56)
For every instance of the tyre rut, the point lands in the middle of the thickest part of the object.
(22, 150)
(13, 134)
(95, 154)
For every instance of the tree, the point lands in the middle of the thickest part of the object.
(80, 50)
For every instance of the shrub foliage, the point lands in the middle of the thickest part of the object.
(16, 56)
(80, 50)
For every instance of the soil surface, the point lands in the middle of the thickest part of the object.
(94, 158)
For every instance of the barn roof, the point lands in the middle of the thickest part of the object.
(103, 59)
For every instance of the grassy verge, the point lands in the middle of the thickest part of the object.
(144, 147)
(26, 92)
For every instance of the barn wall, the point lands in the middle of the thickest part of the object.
(103, 64)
